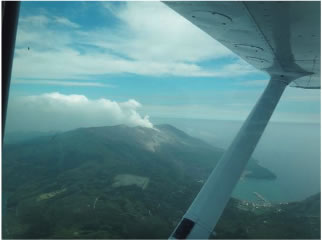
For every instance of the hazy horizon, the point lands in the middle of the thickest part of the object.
(282, 149)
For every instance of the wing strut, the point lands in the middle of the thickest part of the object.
(206, 209)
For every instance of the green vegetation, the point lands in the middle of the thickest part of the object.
(297, 220)
(121, 182)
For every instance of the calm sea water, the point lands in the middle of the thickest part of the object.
(290, 150)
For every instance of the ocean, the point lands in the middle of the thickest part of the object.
(290, 150)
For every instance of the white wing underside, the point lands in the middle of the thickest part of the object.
(281, 38)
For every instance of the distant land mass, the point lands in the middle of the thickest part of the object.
(127, 182)
(253, 170)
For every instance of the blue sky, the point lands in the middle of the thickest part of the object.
(118, 62)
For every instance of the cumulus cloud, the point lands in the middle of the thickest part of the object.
(56, 111)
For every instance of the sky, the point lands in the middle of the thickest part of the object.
(82, 64)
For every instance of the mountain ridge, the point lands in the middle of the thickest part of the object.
(105, 182)
(117, 140)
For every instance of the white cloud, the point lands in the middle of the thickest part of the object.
(154, 31)
(43, 21)
(41, 38)
(61, 83)
(56, 111)
(37, 64)
(151, 40)
(66, 22)
(35, 21)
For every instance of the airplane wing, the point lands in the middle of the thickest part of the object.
(280, 38)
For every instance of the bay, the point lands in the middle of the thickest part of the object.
(290, 150)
